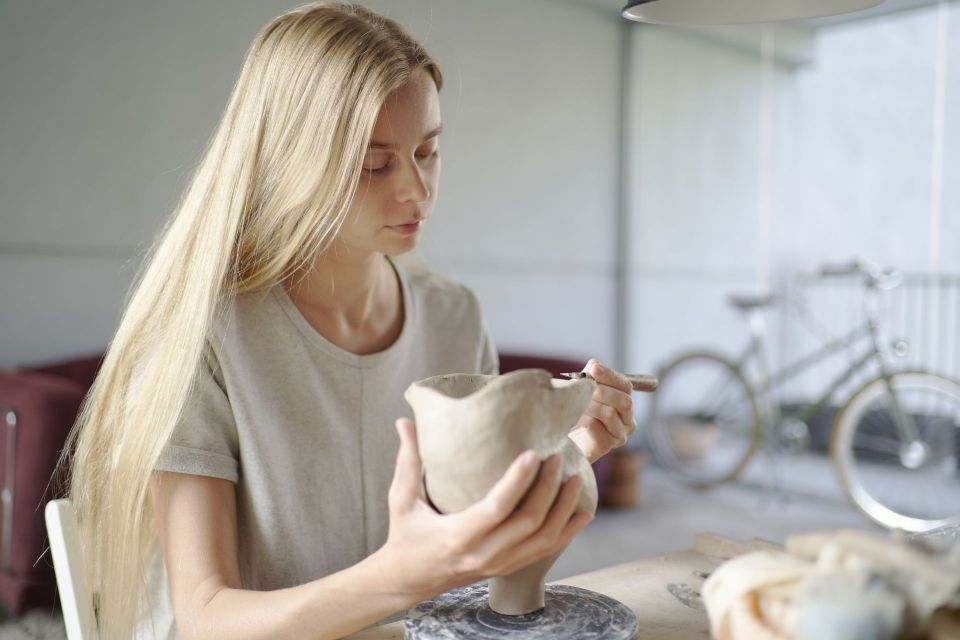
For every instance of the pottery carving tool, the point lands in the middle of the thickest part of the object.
(647, 384)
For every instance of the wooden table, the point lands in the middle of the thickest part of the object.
(642, 586)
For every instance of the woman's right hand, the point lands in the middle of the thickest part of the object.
(522, 519)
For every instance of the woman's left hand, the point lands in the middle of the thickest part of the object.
(608, 420)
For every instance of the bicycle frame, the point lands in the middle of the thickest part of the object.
(764, 387)
(767, 383)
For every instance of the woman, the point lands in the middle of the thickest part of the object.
(240, 416)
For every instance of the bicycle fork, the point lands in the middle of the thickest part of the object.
(913, 451)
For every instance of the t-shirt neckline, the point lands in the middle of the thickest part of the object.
(359, 360)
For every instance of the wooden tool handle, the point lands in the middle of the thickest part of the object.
(638, 382)
(643, 383)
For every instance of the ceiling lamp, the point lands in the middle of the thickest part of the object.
(705, 12)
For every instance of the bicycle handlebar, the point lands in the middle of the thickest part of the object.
(873, 273)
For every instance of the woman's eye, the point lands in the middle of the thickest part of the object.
(384, 166)
(376, 163)
(378, 168)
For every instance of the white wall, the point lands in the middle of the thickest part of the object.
(857, 139)
(528, 195)
(852, 149)
(693, 185)
(105, 108)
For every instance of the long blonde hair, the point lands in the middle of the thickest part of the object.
(271, 191)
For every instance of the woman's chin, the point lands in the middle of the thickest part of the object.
(403, 246)
(401, 243)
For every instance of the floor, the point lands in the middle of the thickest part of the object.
(668, 517)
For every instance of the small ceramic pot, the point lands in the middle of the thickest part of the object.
(471, 427)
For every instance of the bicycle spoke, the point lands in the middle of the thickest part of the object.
(703, 423)
(878, 444)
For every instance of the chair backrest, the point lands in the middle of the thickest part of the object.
(75, 601)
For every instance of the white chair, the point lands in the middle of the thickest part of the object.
(75, 601)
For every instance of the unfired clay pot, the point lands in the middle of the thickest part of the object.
(471, 427)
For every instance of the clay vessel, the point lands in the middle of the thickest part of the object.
(470, 428)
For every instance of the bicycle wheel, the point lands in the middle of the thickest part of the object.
(704, 423)
(909, 486)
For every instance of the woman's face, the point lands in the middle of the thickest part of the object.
(401, 172)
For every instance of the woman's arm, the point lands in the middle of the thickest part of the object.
(426, 552)
(197, 524)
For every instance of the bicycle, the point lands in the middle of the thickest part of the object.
(895, 437)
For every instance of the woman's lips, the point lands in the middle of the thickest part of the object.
(406, 229)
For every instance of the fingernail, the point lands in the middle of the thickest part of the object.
(531, 457)
(601, 368)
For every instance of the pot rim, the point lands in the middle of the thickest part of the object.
(541, 378)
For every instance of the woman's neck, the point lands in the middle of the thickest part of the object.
(349, 289)
(353, 301)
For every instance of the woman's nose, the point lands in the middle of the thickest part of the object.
(412, 185)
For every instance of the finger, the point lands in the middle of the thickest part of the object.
(605, 375)
(503, 497)
(592, 448)
(561, 511)
(526, 520)
(407, 475)
(574, 526)
(610, 419)
(598, 432)
(532, 512)
(619, 400)
(553, 535)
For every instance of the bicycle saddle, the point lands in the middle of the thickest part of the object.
(747, 302)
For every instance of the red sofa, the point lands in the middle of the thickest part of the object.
(38, 405)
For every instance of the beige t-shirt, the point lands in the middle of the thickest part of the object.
(306, 429)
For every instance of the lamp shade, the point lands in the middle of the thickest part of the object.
(706, 12)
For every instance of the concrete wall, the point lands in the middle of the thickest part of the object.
(850, 175)
(105, 108)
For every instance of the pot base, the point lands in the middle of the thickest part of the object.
(569, 612)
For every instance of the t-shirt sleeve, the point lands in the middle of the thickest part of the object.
(204, 441)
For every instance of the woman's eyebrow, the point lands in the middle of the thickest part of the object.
(386, 145)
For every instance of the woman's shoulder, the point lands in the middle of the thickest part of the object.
(240, 320)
